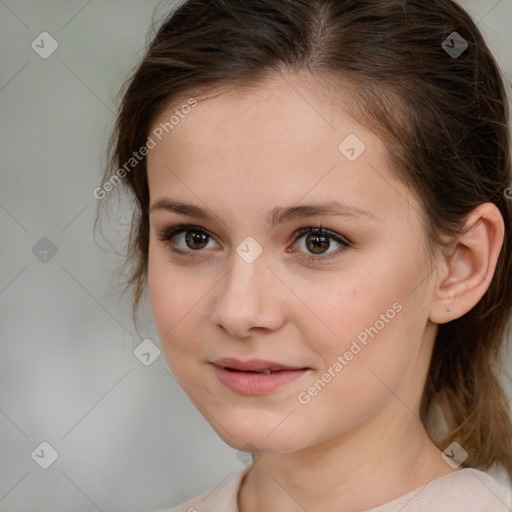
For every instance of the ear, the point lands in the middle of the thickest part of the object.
(466, 269)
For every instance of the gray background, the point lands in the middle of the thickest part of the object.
(127, 437)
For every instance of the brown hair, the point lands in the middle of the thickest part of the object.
(444, 119)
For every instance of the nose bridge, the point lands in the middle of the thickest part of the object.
(245, 282)
(248, 296)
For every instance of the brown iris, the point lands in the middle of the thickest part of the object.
(195, 237)
(319, 243)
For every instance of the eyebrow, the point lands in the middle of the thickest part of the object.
(278, 215)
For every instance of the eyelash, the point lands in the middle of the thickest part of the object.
(168, 234)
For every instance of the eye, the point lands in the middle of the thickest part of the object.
(318, 241)
(194, 238)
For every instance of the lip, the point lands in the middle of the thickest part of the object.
(254, 365)
(241, 377)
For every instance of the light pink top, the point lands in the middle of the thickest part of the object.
(466, 490)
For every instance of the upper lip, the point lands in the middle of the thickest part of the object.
(255, 365)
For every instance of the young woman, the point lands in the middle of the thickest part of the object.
(324, 225)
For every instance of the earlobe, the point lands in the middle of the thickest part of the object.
(466, 271)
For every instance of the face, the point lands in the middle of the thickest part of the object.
(346, 306)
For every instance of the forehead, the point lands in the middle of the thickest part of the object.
(277, 142)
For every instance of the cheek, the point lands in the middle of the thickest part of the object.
(352, 306)
(162, 292)
(358, 378)
(173, 299)
(364, 330)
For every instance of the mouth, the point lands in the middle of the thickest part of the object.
(266, 371)
(254, 366)
(256, 377)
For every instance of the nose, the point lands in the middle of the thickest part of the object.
(250, 299)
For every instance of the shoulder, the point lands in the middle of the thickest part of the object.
(466, 490)
(222, 498)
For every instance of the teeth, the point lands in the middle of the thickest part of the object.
(250, 371)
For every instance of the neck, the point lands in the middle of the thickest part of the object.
(347, 473)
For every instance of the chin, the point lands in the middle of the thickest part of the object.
(259, 437)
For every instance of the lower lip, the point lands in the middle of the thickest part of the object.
(247, 383)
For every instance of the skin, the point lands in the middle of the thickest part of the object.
(359, 442)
